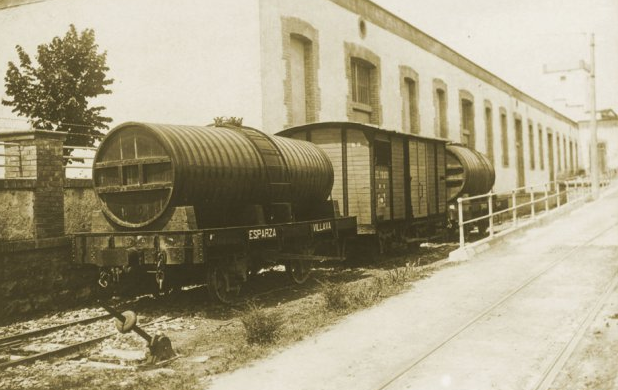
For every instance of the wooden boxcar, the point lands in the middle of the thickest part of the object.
(394, 183)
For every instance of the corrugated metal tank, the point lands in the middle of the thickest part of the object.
(142, 169)
(467, 172)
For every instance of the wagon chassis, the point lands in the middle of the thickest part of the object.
(222, 257)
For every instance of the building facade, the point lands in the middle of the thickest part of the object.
(607, 143)
(279, 63)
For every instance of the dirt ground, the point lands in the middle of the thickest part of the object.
(211, 339)
(497, 321)
(594, 362)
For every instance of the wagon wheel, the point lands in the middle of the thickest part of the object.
(158, 293)
(300, 270)
(414, 244)
(483, 226)
(220, 285)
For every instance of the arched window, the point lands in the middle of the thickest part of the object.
(467, 118)
(300, 86)
(489, 131)
(363, 73)
(410, 98)
(440, 102)
(504, 135)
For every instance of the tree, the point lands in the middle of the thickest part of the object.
(55, 94)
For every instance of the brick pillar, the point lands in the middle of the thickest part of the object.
(41, 159)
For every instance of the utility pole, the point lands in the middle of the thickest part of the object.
(594, 159)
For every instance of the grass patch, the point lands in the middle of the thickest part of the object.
(261, 326)
(345, 297)
(335, 296)
(400, 277)
(109, 380)
(366, 293)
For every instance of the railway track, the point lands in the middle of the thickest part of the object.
(16, 341)
(8, 341)
(558, 361)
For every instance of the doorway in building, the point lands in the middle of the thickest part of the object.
(298, 70)
(519, 148)
(550, 157)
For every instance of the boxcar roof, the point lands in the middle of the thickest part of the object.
(354, 125)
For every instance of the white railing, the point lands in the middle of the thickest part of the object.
(74, 168)
(9, 160)
(573, 189)
(580, 187)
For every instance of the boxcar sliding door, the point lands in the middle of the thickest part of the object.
(436, 180)
(382, 175)
(398, 178)
(441, 176)
(418, 177)
(432, 185)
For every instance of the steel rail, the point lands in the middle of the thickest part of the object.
(488, 310)
(38, 332)
(69, 348)
(558, 362)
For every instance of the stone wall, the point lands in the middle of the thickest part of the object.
(37, 275)
(39, 209)
(16, 209)
(79, 203)
(17, 216)
(40, 161)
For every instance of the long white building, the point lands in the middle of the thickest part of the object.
(279, 63)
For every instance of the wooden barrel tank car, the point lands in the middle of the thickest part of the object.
(469, 173)
(188, 204)
(141, 171)
(394, 183)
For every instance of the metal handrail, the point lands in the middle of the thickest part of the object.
(85, 165)
(579, 184)
(79, 147)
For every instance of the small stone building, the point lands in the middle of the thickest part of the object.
(607, 137)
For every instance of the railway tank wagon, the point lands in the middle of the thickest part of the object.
(394, 183)
(469, 173)
(142, 171)
(190, 202)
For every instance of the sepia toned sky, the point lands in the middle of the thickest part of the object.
(513, 39)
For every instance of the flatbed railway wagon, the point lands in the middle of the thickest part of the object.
(393, 182)
(215, 204)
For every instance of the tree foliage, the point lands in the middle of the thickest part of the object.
(55, 94)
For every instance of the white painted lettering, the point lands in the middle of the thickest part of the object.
(321, 226)
(261, 234)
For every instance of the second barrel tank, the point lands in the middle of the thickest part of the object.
(468, 172)
(141, 170)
